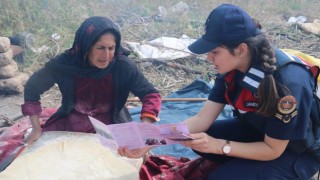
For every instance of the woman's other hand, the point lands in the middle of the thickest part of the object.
(147, 120)
(134, 153)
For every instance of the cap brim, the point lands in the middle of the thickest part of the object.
(202, 46)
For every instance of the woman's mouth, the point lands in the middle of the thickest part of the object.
(103, 61)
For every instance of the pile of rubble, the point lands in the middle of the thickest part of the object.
(11, 80)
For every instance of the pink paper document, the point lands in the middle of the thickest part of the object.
(137, 135)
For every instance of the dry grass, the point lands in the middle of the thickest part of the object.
(139, 22)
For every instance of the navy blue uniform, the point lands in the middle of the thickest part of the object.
(238, 90)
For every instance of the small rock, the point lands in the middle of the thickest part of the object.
(8, 71)
(4, 44)
(6, 57)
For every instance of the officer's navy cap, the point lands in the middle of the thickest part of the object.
(226, 23)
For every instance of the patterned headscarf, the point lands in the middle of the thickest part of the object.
(74, 59)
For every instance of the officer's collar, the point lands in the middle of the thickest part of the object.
(252, 78)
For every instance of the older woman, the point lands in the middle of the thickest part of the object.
(94, 78)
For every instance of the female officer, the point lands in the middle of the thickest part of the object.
(271, 104)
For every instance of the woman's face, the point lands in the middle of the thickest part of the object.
(225, 62)
(102, 52)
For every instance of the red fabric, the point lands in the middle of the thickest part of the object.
(31, 108)
(93, 97)
(46, 113)
(168, 167)
(13, 136)
(9, 145)
(151, 104)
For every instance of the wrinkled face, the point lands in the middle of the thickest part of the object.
(224, 61)
(102, 52)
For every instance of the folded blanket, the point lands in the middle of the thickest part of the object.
(310, 60)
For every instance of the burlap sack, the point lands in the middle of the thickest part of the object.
(6, 57)
(313, 27)
(9, 70)
(13, 85)
(4, 44)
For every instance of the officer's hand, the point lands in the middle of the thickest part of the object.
(202, 142)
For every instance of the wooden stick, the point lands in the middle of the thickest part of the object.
(169, 64)
(135, 99)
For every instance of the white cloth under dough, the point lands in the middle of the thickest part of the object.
(69, 158)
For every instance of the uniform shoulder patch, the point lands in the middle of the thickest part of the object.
(287, 108)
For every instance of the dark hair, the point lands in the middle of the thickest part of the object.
(268, 89)
(262, 51)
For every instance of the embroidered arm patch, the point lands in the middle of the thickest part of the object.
(286, 108)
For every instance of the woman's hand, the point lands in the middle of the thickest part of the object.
(133, 153)
(33, 136)
(36, 130)
(203, 143)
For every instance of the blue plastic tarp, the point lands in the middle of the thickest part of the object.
(173, 112)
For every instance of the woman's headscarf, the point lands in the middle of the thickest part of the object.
(74, 59)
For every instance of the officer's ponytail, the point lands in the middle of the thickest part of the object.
(262, 54)
(262, 51)
(267, 91)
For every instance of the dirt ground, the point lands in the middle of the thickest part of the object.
(168, 79)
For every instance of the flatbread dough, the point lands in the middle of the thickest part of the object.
(70, 159)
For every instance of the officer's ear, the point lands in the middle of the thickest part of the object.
(242, 50)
